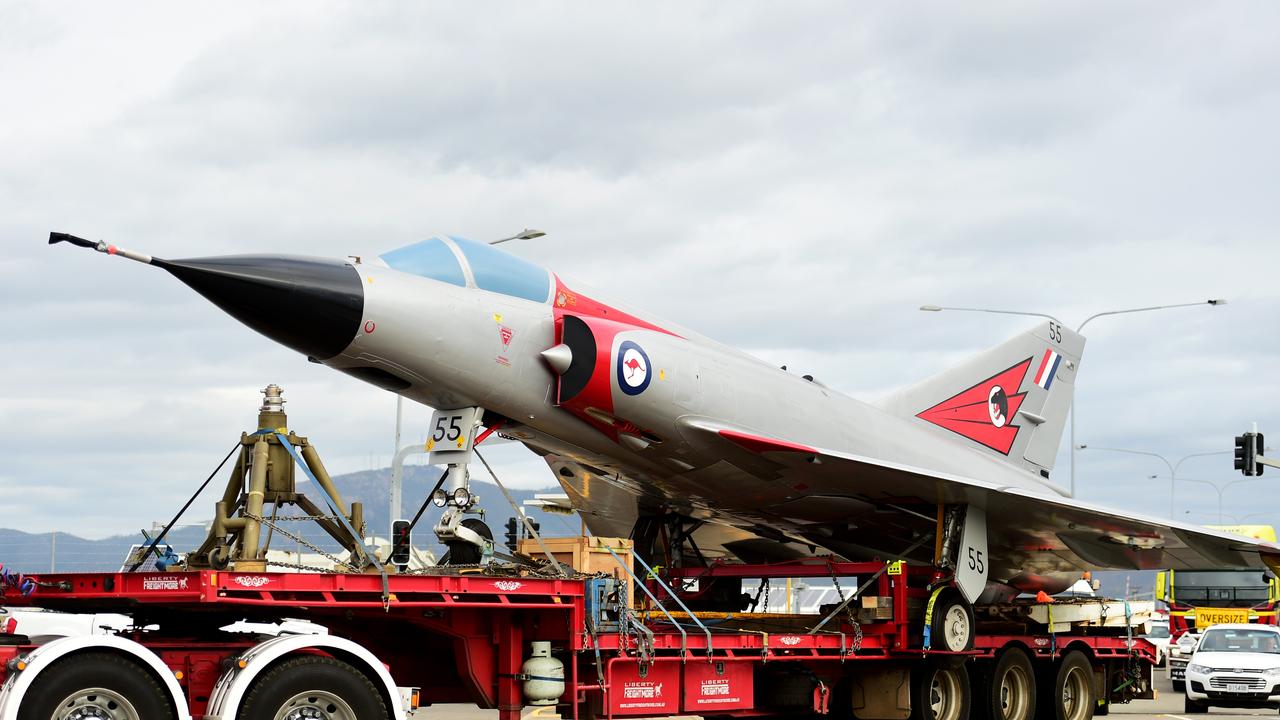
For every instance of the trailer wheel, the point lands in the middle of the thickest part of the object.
(1072, 696)
(1012, 692)
(951, 626)
(95, 685)
(316, 687)
(940, 691)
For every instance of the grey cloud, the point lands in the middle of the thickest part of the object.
(791, 179)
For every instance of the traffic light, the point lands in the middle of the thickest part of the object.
(1247, 453)
(1259, 448)
(401, 542)
(511, 534)
(516, 530)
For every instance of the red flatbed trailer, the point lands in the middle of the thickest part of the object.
(463, 636)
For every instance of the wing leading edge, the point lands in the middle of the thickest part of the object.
(1028, 531)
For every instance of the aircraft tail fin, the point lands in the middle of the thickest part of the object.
(1011, 400)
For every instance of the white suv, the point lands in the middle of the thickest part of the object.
(1235, 666)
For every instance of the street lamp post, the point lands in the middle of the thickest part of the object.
(1173, 467)
(1213, 302)
(1220, 489)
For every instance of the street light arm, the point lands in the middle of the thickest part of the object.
(525, 234)
(939, 308)
(1243, 480)
(1215, 302)
(1172, 471)
(1210, 483)
(1203, 454)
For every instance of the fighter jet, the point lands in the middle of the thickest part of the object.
(701, 452)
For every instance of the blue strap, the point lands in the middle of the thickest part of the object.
(333, 505)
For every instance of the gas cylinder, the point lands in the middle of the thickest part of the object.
(544, 675)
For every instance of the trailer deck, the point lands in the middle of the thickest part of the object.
(461, 635)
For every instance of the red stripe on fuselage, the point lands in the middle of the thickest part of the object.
(760, 444)
(598, 393)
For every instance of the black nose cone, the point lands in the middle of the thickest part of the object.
(312, 305)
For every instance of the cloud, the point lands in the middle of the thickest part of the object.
(792, 180)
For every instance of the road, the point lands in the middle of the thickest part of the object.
(1168, 706)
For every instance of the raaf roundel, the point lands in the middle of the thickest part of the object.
(984, 412)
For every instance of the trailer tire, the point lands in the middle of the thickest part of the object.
(1011, 692)
(940, 691)
(108, 684)
(952, 623)
(1071, 695)
(313, 682)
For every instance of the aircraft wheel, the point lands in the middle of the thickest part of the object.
(940, 691)
(1072, 696)
(464, 553)
(312, 686)
(95, 685)
(1012, 692)
(952, 624)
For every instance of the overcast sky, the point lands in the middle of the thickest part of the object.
(791, 178)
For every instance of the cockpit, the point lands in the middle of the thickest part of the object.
(466, 263)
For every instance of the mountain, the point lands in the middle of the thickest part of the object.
(64, 552)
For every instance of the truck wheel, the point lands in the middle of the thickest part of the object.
(1012, 692)
(1072, 696)
(313, 686)
(940, 691)
(951, 627)
(95, 685)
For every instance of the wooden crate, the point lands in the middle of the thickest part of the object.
(587, 554)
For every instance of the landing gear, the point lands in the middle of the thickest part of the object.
(951, 625)
(466, 552)
(667, 539)
(469, 540)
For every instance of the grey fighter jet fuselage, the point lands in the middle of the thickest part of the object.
(641, 419)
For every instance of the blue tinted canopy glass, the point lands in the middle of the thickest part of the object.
(429, 258)
(496, 271)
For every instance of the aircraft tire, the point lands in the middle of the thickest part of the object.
(1011, 692)
(952, 624)
(313, 686)
(99, 685)
(1071, 695)
(464, 553)
(940, 691)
